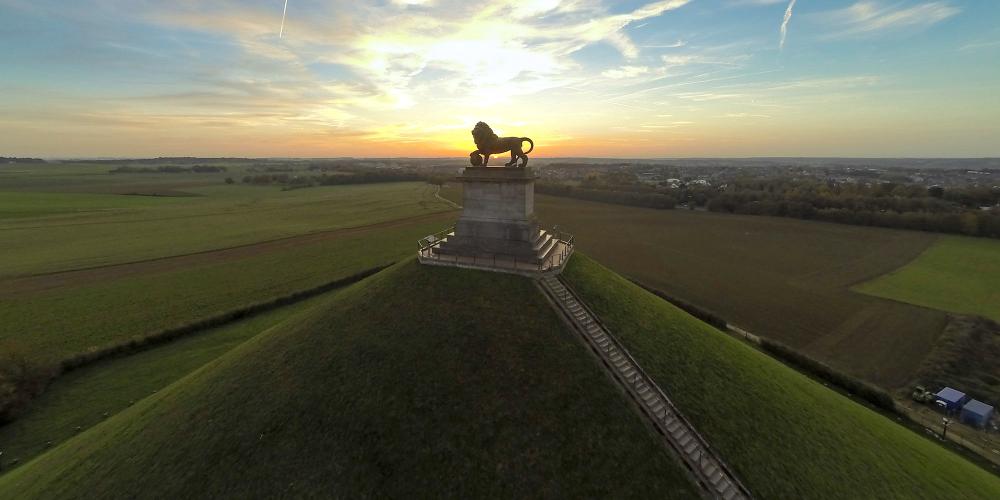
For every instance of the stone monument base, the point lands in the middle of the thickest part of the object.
(497, 225)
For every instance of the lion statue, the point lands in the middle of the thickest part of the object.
(490, 144)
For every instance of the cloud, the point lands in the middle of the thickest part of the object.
(675, 45)
(625, 72)
(979, 45)
(868, 17)
(784, 23)
(755, 2)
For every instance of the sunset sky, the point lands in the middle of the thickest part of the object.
(124, 78)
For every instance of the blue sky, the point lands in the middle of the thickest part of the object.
(584, 78)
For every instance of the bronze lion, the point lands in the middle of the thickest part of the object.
(490, 144)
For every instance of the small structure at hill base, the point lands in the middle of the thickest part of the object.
(950, 400)
(497, 230)
(976, 413)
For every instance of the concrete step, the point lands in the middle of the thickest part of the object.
(713, 474)
(683, 438)
(691, 447)
(543, 239)
(543, 252)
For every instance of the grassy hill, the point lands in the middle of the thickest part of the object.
(786, 435)
(438, 381)
(459, 383)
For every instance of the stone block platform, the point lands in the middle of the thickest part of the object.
(497, 229)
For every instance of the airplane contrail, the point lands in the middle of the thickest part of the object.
(284, 11)
(784, 23)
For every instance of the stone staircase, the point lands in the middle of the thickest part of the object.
(544, 244)
(711, 474)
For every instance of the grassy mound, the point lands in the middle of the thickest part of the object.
(785, 435)
(439, 382)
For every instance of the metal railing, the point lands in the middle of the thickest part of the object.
(432, 240)
(497, 261)
(700, 460)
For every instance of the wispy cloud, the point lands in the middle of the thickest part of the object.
(625, 72)
(867, 17)
(755, 2)
(980, 45)
(284, 12)
(784, 24)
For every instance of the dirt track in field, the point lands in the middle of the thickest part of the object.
(40, 282)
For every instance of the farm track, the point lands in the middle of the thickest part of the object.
(20, 285)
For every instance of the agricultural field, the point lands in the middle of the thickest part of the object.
(43, 236)
(785, 435)
(956, 274)
(85, 267)
(52, 317)
(788, 280)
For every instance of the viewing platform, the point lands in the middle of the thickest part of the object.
(497, 230)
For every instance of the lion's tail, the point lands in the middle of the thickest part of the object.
(532, 148)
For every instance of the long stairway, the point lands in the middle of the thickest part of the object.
(712, 475)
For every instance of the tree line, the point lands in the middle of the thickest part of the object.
(168, 169)
(971, 210)
(343, 178)
(967, 210)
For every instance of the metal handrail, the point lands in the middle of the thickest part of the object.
(427, 243)
(648, 380)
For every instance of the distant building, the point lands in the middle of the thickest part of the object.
(950, 400)
(976, 413)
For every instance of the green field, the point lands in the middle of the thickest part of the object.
(166, 261)
(46, 237)
(80, 399)
(956, 274)
(786, 435)
(80, 314)
(439, 381)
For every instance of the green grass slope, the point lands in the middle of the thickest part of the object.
(957, 274)
(786, 435)
(418, 381)
(83, 398)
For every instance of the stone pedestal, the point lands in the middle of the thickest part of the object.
(498, 217)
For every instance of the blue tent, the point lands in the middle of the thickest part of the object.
(950, 399)
(976, 413)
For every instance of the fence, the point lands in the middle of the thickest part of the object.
(496, 261)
